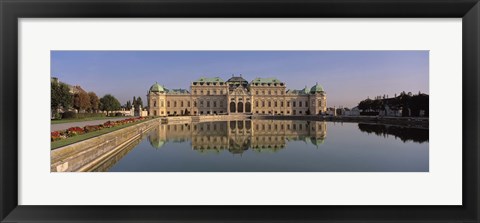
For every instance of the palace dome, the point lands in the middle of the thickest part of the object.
(316, 88)
(237, 79)
(156, 88)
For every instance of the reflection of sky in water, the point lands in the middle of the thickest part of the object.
(335, 147)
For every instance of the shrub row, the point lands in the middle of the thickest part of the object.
(369, 113)
(73, 115)
(73, 131)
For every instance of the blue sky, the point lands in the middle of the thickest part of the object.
(346, 76)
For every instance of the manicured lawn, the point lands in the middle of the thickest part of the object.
(78, 138)
(60, 121)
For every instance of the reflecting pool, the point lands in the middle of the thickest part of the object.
(275, 146)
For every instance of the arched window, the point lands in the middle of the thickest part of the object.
(240, 107)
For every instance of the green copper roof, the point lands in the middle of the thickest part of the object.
(265, 80)
(156, 88)
(305, 90)
(210, 79)
(316, 88)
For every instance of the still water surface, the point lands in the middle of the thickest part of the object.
(276, 146)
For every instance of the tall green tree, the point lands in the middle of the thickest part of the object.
(109, 103)
(129, 105)
(139, 103)
(60, 96)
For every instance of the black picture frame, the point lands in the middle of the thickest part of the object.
(11, 11)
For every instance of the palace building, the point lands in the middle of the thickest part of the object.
(268, 96)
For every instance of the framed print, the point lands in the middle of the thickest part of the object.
(239, 111)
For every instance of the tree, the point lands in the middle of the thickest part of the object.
(81, 101)
(139, 103)
(94, 101)
(60, 96)
(129, 105)
(365, 104)
(377, 105)
(109, 103)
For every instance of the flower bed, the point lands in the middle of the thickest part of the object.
(74, 131)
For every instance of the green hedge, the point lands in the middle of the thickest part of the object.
(73, 115)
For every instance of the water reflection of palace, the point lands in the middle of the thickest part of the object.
(239, 136)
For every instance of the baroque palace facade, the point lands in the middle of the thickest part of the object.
(267, 96)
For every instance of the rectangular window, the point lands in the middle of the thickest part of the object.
(263, 103)
(208, 104)
(256, 104)
(175, 104)
(281, 104)
(299, 104)
(306, 103)
(294, 104)
(181, 104)
(269, 104)
(155, 104)
(275, 103)
(168, 104)
(214, 104)
(188, 103)
(288, 104)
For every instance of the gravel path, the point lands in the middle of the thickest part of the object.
(63, 126)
